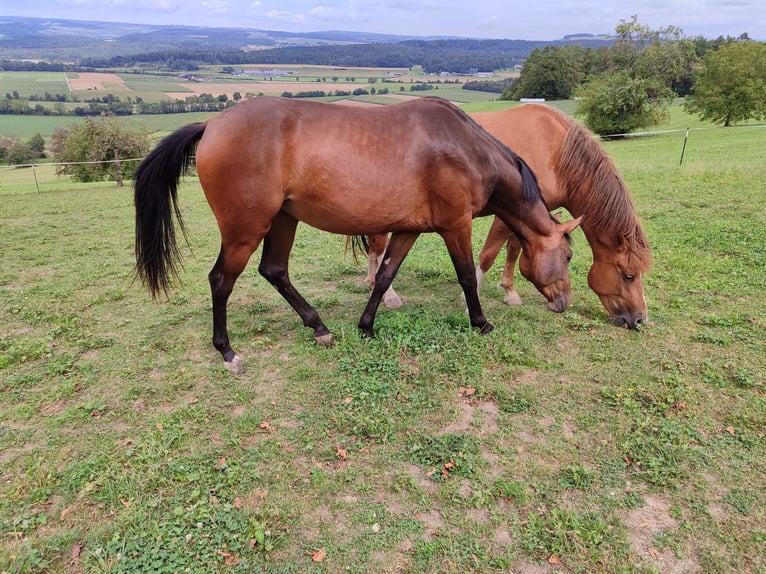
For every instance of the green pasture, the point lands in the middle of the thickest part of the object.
(32, 83)
(557, 443)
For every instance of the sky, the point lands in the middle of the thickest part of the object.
(506, 19)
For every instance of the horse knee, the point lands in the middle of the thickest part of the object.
(272, 274)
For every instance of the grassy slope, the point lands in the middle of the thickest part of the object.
(557, 443)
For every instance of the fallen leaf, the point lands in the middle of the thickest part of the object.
(654, 552)
(553, 559)
(466, 391)
(76, 551)
(64, 512)
(237, 502)
(159, 427)
(730, 430)
(348, 399)
(125, 503)
(265, 425)
(261, 493)
(228, 558)
(340, 452)
(318, 555)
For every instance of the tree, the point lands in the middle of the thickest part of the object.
(37, 145)
(629, 85)
(731, 87)
(96, 149)
(616, 104)
(551, 73)
(20, 154)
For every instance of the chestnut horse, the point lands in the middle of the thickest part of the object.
(573, 172)
(415, 167)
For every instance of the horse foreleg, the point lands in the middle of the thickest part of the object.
(230, 263)
(459, 247)
(274, 261)
(398, 247)
(513, 249)
(377, 247)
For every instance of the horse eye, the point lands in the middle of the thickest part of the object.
(629, 278)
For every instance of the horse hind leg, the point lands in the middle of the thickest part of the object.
(274, 268)
(229, 265)
(377, 248)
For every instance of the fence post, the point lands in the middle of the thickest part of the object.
(683, 149)
(34, 173)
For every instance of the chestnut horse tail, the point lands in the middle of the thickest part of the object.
(156, 199)
(358, 243)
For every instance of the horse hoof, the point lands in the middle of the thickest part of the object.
(392, 302)
(235, 366)
(512, 298)
(487, 328)
(325, 340)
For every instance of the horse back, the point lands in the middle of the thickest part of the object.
(400, 167)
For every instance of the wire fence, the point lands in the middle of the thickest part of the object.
(45, 176)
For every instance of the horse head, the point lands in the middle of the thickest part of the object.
(619, 284)
(545, 262)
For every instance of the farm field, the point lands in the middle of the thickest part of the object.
(557, 443)
(253, 80)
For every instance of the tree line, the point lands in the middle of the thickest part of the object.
(454, 56)
(630, 84)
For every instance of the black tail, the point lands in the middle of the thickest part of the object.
(156, 199)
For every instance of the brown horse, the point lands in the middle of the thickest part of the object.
(268, 163)
(574, 172)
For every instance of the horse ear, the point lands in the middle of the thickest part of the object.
(571, 225)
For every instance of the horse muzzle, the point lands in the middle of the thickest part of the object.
(558, 304)
(630, 322)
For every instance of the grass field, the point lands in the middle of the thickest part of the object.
(558, 443)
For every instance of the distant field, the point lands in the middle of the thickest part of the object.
(211, 80)
(32, 83)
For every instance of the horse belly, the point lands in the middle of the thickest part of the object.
(353, 217)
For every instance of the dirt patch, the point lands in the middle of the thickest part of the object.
(480, 416)
(95, 81)
(433, 521)
(646, 522)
